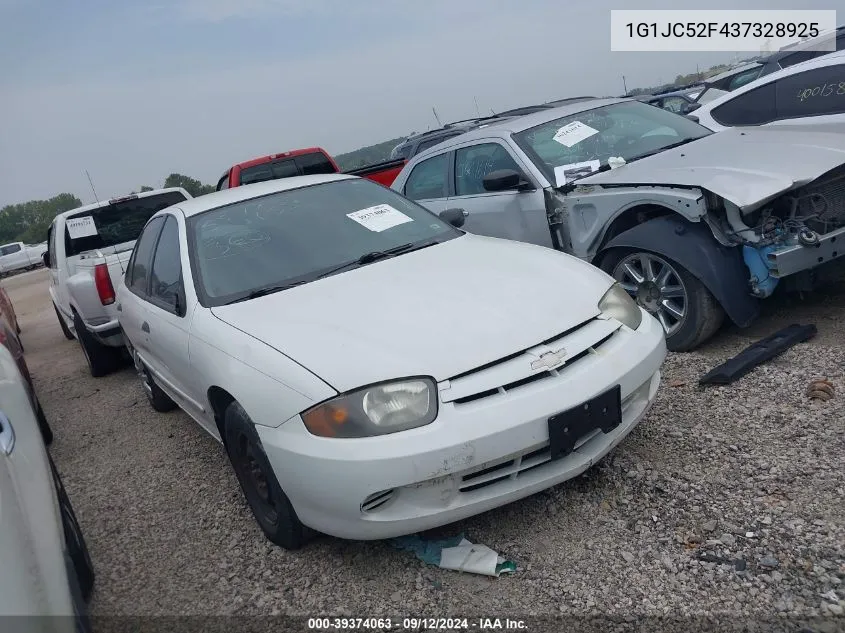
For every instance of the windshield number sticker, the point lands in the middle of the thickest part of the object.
(573, 133)
(574, 171)
(379, 218)
(81, 227)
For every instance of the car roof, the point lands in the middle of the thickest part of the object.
(222, 198)
(733, 71)
(519, 124)
(105, 203)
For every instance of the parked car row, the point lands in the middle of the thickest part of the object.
(489, 326)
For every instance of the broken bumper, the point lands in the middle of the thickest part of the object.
(794, 259)
(474, 457)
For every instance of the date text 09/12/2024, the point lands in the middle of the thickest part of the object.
(416, 624)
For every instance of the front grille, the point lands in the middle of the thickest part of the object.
(511, 386)
(515, 371)
(514, 465)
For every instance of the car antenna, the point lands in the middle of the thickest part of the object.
(114, 246)
(90, 182)
(437, 118)
(477, 111)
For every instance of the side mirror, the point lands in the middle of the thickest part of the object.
(692, 117)
(506, 180)
(45, 257)
(690, 107)
(455, 217)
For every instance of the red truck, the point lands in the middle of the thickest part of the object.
(303, 162)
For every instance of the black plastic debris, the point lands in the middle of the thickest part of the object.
(757, 354)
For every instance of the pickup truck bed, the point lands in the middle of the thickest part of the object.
(89, 249)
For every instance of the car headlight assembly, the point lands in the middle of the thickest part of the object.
(380, 409)
(618, 304)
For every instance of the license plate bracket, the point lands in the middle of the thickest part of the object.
(602, 412)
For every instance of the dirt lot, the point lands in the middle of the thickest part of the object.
(725, 499)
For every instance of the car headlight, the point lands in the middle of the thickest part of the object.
(618, 304)
(379, 409)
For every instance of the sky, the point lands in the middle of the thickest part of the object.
(136, 89)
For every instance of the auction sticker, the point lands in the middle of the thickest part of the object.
(81, 227)
(379, 218)
(573, 133)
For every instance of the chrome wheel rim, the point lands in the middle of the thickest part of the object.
(656, 286)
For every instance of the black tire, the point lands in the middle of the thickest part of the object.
(269, 504)
(82, 622)
(158, 400)
(102, 360)
(65, 329)
(703, 315)
(77, 549)
(43, 425)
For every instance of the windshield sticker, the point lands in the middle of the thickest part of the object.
(574, 171)
(379, 218)
(81, 227)
(574, 133)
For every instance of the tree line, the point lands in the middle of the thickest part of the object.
(28, 221)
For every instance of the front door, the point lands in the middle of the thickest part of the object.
(168, 324)
(513, 215)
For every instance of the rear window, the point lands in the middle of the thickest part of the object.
(114, 224)
(304, 165)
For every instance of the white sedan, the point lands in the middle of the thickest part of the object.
(371, 369)
(810, 92)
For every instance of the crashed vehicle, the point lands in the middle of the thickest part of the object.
(695, 225)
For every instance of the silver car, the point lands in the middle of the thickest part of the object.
(695, 225)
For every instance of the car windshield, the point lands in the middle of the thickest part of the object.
(297, 236)
(586, 140)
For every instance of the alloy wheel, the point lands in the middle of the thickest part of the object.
(656, 286)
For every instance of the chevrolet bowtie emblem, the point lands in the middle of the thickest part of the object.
(549, 360)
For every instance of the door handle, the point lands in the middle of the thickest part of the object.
(7, 435)
(145, 327)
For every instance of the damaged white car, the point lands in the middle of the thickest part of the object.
(695, 225)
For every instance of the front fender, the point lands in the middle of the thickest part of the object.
(720, 268)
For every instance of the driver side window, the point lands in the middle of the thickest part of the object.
(166, 287)
(473, 163)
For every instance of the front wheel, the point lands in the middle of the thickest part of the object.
(269, 504)
(687, 310)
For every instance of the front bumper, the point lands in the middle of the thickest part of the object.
(474, 457)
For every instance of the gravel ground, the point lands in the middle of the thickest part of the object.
(724, 500)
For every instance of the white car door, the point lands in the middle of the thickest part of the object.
(132, 294)
(168, 321)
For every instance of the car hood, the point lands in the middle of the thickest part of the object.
(747, 166)
(440, 311)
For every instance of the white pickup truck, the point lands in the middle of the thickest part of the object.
(88, 249)
(18, 256)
